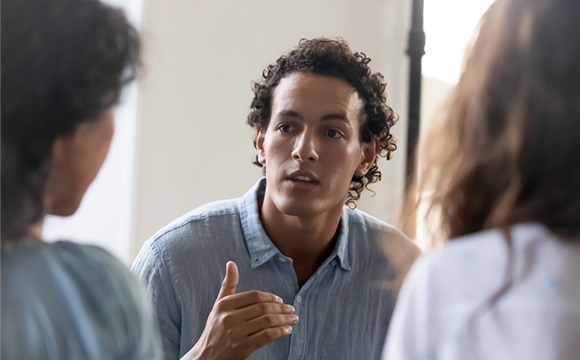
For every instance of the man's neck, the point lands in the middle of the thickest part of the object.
(307, 241)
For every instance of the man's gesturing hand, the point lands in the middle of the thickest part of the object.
(239, 324)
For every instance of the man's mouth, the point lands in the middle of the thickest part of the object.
(303, 177)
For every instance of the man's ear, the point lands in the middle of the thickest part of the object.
(370, 151)
(260, 137)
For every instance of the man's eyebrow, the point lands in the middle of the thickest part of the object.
(328, 117)
(336, 116)
(289, 113)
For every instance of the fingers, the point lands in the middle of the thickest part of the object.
(255, 310)
(242, 323)
(266, 336)
(230, 282)
(268, 321)
(257, 317)
(247, 298)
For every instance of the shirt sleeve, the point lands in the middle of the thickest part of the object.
(407, 338)
(149, 266)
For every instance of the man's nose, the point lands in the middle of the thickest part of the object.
(305, 147)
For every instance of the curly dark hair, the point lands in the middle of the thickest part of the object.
(63, 62)
(334, 58)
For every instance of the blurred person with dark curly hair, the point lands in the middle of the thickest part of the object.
(64, 64)
(313, 281)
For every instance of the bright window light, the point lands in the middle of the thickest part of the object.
(449, 25)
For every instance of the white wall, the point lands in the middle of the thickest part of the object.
(193, 145)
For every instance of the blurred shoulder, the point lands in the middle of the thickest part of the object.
(35, 255)
(84, 292)
(62, 263)
(467, 248)
(468, 265)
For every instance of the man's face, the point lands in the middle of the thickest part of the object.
(312, 148)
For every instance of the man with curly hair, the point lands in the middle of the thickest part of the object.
(316, 279)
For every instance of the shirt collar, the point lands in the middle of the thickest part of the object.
(261, 248)
(341, 249)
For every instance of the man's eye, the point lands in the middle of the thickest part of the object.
(333, 134)
(284, 128)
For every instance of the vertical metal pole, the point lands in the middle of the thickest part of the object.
(416, 50)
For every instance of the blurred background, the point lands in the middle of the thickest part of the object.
(181, 138)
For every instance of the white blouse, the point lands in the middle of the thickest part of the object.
(444, 312)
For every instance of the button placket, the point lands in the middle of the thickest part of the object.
(299, 333)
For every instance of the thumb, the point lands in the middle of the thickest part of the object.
(230, 282)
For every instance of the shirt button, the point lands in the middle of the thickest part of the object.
(282, 259)
(333, 263)
(298, 299)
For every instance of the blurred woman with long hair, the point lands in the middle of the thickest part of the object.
(499, 176)
(64, 64)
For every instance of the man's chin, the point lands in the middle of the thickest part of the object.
(301, 209)
(307, 208)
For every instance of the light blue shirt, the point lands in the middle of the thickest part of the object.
(344, 308)
(67, 301)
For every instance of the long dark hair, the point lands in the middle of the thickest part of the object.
(63, 62)
(508, 149)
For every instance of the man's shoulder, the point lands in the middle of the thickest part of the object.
(369, 222)
(391, 239)
(205, 221)
(360, 221)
